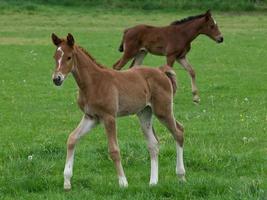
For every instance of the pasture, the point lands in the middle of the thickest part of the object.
(225, 136)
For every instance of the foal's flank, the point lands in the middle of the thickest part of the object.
(104, 95)
(172, 41)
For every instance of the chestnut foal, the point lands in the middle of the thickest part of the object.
(105, 94)
(173, 41)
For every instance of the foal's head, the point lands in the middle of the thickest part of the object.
(211, 29)
(64, 57)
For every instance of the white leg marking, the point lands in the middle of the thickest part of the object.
(146, 124)
(140, 57)
(154, 172)
(180, 170)
(123, 181)
(68, 172)
(85, 126)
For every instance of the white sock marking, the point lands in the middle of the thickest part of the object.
(180, 170)
(85, 126)
(123, 181)
(154, 172)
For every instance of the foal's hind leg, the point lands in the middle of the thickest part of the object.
(114, 151)
(85, 125)
(138, 60)
(190, 70)
(165, 115)
(145, 118)
(129, 53)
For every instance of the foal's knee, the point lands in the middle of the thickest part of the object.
(179, 137)
(71, 142)
(192, 73)
(115, 155)
(153, 149)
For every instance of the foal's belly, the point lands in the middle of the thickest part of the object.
(130, 107)
(134, 99)
(155, 50)
(155, 46)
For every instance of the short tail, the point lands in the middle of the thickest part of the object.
(171, 75)
(121, 49)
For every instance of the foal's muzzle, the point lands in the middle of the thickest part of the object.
(219, 39)
(58, 79)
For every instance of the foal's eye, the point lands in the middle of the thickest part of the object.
(212, 26)
(69, 58)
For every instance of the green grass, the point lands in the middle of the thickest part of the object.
(225, 136)
(174, 5)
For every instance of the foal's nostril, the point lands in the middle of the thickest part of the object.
(220, 40)
(57, 80)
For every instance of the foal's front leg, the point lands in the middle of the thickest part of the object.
(85, 125)
(190, 70)
(114, 151)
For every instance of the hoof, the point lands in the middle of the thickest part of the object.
(153, 183)
(181, 178)
(116, 68)
(67, 186)
(123, 182)
(196, 99)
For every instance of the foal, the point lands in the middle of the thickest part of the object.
(173, 41)
(105, 94)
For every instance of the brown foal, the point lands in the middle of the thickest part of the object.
(173, 41)
(105, 94)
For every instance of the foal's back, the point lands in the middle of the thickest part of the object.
(151, 38)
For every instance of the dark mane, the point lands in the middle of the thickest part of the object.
(87, 53)
(181, 21)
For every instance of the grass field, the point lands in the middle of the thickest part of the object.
(225, 138)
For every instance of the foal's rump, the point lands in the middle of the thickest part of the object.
(145, 37)
(158, 80)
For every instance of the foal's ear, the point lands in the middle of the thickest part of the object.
(207, 14)
(70, 40)
(56, 40)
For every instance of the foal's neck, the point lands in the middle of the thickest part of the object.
(193, 28)
(85, 69)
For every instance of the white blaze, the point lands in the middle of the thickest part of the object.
(214, 21)
(60, 59)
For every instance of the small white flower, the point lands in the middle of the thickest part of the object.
(204, 111)
(246, 99)
(30, 157)
(24, 81)
(245, 140)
